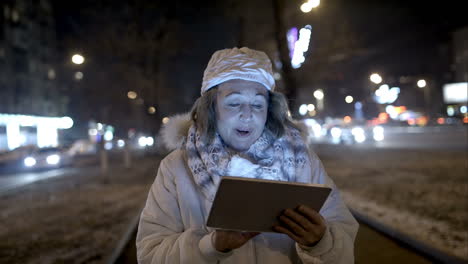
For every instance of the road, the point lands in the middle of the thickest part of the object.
(442, 137)
(13, 181)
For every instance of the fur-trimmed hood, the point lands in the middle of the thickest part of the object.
(174, 132)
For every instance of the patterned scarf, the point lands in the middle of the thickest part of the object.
(268, 158)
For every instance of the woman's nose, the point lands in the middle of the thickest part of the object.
(246, 112)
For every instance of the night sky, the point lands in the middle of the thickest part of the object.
(396, 38)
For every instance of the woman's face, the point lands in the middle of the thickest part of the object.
(241, 112)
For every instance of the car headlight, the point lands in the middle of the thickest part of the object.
(29, 161)
(335, 132)
(359, 134)
(378, 133)
(53, 159)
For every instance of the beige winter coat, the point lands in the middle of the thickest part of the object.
(172, 225)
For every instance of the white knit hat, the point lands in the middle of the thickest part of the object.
(244, 63)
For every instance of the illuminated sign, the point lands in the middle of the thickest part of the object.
(456, 93)
(298, 46)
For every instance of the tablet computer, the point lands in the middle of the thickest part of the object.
(246, 204)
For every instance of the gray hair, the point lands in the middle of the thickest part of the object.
(204, 114)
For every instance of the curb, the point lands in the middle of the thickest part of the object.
(433, 254)
(124, 240)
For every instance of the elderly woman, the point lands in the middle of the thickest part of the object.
(239, 127)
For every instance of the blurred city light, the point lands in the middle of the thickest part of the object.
(29, 161)
(65, 122)
(455, 93)
(309, 5)
(359, 134)
(78, 59)
(378, 133)
(277, 76)
(51, 74)
(108, 145)
(450, 110)
(349, 99)
(384, 95)
(53, 159)
(310, 107)
(120, 143)
(132, 95)
(375, 78)
(92, 132)
(108, 135)
(318, 94)
(306, 7)
(165, 120)
(463, 109)
(78, 76)
(151, 110)
(314, 126)
(335, 132)
(302, 109)
(145, 141)
(347, 119)
(421, 83)
(45, 133)
(301, 46)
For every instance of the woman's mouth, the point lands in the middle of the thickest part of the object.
(243, 132)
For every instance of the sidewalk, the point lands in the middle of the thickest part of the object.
(73, 219)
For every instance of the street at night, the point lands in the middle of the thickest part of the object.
(121, 120)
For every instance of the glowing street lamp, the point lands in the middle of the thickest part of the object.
(151, 110)
(349, 99)
(132, 95)
(318, 94)
(422, 83)
(78, 59)
(309, 5)
(375, 78)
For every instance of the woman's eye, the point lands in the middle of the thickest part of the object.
(233, 105)
(257, 106)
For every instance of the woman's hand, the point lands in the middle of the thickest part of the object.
(303, 224)
(225, 241)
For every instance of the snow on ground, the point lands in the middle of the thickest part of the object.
(80, 219)
(77, 219)
(421, 193)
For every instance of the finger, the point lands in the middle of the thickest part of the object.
(286, 231)
(313, 216)
(249, 235)
(299, 219)
(291, 225)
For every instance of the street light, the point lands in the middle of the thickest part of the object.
(422, 83)
(349, 99)
(309, 5)
(132, 95)
(78, 76)
(78, 59)
(318, 94)
(375, 78)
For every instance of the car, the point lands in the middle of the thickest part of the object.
(350, 134)
(47, 158)
(12, 161)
